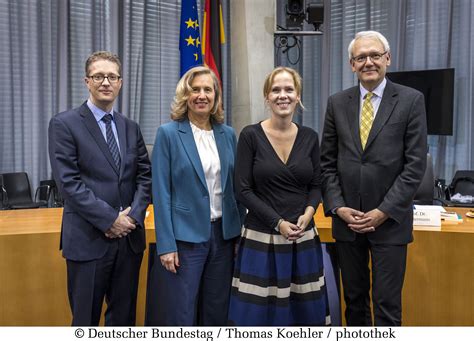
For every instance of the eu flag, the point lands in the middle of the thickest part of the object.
(189, 36)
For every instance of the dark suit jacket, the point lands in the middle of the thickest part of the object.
(387, 173)
(180, 193)
(92, 187)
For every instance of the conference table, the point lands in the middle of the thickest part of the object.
(438, 291)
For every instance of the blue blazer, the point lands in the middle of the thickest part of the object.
(180, 194)
(92, 187)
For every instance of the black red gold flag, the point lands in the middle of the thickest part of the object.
(213, 36)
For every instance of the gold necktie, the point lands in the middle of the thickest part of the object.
(366, 119)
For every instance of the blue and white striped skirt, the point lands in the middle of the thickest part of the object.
(278, 282)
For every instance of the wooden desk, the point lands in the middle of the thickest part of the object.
(33, 288)
(439, 283)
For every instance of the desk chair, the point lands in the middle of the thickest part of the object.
(425, 193)
(3, 195)
(463, 183)
(17, 192)
(53, 197)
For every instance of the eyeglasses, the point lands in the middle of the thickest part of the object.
(99, 78)
(373, 57)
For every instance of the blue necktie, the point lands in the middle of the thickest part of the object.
(111, 140)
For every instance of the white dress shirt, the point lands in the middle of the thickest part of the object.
(376, 98)
(99, 115)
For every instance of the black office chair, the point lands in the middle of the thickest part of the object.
(53, 197)
(3, 195)
(17, 192)
(425, 193)
(463, 183)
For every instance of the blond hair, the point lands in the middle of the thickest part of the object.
(267, 86)
(179, 107)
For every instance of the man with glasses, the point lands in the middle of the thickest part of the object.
(101, 165)
(373, 157)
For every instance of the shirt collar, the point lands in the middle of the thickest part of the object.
(378, 91)
(97, 112)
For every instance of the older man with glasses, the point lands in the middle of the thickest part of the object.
(101, 165)
(373, 157)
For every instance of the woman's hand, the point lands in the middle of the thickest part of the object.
(305, 218)
(170, 261)
(290, 231)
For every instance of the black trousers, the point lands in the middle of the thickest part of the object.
(388, 273)
(115, 277)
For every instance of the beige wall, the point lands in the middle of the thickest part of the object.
(252, 25)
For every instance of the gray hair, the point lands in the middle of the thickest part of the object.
(368, 34)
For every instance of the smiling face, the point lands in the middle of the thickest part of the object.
(283, 96)
(370, 73)
(103, 94)
(202, 97)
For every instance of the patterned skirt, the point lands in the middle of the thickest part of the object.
(277, 282)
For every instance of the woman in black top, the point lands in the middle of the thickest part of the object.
(278, 278)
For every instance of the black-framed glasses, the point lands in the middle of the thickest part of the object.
(99, 78)
(375, 56)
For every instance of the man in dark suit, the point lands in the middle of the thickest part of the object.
(373, 157)
(100, 163)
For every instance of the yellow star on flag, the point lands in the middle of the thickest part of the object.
(196, 25)
(195, 56)
(197, 42)
(190, 40)
(190, 23)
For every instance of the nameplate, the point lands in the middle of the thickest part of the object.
(424, 215)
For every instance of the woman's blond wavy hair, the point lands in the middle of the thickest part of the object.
(179, 107)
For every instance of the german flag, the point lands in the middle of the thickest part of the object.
(213, 36)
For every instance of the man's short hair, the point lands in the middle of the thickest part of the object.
(368, 34)
(103, 55)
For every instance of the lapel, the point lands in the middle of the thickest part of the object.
(121, 131)
(389, 100)
(94, 130)
(352, 114)
(219, 135)
(187, 139)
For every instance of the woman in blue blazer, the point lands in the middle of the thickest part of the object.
(196, 215)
